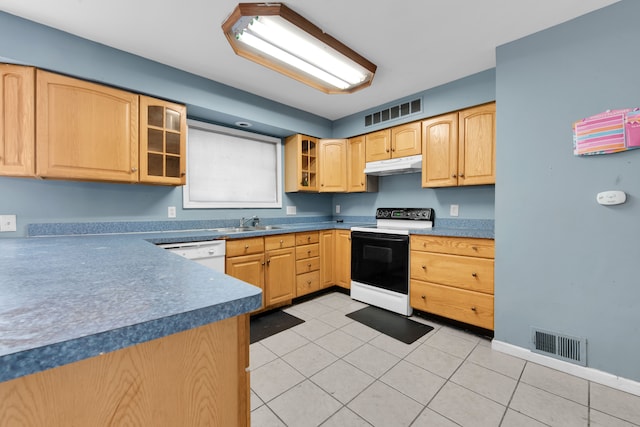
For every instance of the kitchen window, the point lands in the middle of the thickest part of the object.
(229, 168)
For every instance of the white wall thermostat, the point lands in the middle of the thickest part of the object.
(614, 197)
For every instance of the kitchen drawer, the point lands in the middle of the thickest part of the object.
(475, 274)
(465, 306)
(483, 248)
(307, 283)
(307, 238)
(279, 241)
(308, 251)
(307, 265)
(253, 245)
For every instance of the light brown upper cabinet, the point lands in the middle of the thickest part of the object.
(300, 163)
(163, 130)
(333, 165)
(459, 148)
(399, 141)
(85, 130)
(17, 120)
(357, 180)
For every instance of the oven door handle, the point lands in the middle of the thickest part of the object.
(380, 238)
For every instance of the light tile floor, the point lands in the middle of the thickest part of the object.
(332, 371)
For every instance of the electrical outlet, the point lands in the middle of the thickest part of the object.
(453, 210)
(171, 211)
(291, 210)
(8, 223)
(337, 208)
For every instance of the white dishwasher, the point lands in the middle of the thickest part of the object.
(209, 253)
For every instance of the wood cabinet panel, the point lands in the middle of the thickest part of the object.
(248, 268)
(343, 258)
(406, 140)
(308, 251)
(301, 163)
(85, 130)
(459, 304)
(279, 241)
(252, 245)
(307, 283)
(307, 265)
(196, 377)
(357, 180)
(483, 248)
(461, 272)
(327, 258)
(477, 139)
(163, 142)
(306, 238)
(440, 151)
(333, 165)
(17, 120)
(378, 145)
(280, 276)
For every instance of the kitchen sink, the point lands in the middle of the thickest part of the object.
(244, 229)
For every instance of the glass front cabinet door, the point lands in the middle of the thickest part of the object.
(163, 131)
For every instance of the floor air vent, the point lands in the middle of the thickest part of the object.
(569, 349)
(394, 112)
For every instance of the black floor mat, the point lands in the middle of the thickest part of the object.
(267, 324)
(391, 324)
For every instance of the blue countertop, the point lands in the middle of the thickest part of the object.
(68, 298)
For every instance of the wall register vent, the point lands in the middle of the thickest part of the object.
(563, 347)
(394, 112)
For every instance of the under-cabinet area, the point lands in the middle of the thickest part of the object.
(61, 127)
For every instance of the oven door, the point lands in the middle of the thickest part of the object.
(380, 260)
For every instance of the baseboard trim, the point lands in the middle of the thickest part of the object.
(590, 374)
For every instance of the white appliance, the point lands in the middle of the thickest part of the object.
(380, 257)
(401, 165)
(209, 253)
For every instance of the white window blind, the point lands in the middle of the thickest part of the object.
(229, 168)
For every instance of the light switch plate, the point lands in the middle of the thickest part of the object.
(291, 210)
(8, 223)
(453, 210)
(171, 211)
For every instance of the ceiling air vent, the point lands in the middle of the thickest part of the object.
(563, 347)
(394, 112)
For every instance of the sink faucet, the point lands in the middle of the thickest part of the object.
(254, 221)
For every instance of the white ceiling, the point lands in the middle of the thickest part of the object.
(416, 44)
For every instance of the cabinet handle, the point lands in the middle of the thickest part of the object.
(183, 173)
(461, 175)
(309, 282)
(473, 308)
(268, 262)
(309, 265)
(308, 252)
(424, 267)
(134, 169)
(474, 274)
(393, 149)
(454, 176)
(424, 297)
(475, 248)
(263, 264)
(246, 246)
(308, 238)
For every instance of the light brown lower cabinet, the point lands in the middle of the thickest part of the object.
(343, 258)
(193, 378)
(453, 277)
(267, 262)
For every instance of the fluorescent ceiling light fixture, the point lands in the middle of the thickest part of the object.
(276, 37)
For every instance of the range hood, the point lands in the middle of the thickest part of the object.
(411, 164)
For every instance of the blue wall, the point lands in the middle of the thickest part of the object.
(563, 262)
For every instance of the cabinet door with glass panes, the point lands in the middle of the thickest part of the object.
(163, 131)
(301, 163)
